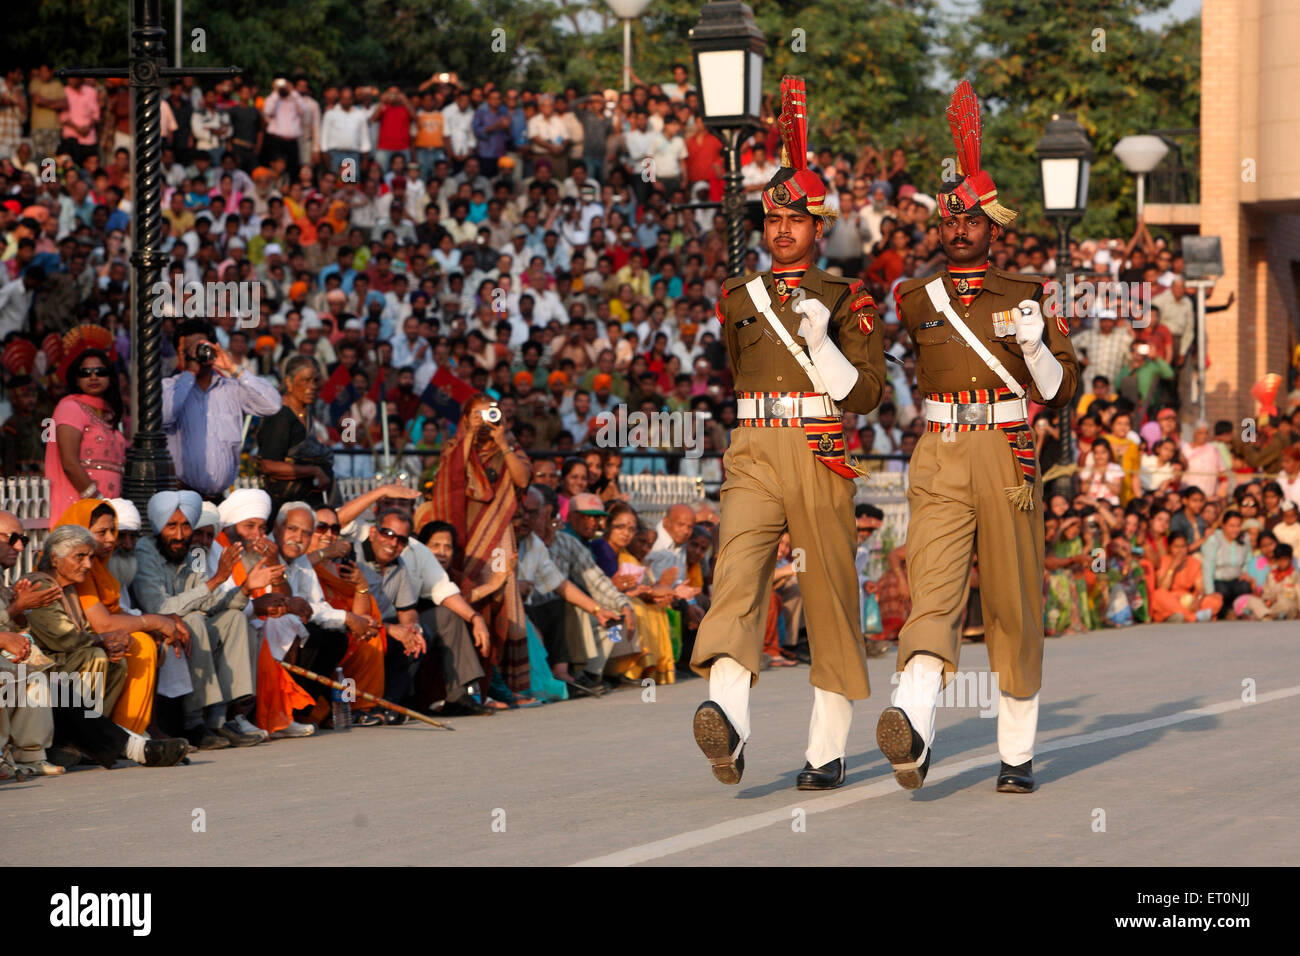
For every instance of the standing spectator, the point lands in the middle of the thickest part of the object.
(492, 132)
(283, 111)
(345, 135)
(548, 137)
(429, 139)
(210, 127)
(203, 412)
(1104, 349)
(458, 122)
(47, 102)
(245, 128)
(89, 451)
(309, 149)
(1205, 468)
(596, 129)
(394, 115)
(80, 120)
(1140, 377)
(13, 109)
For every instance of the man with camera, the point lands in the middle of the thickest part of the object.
(203, 412)
(284, 112)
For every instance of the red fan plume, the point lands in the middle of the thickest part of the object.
(19, 357)
(85, 337)
(793, 122)
(52, 346)
(1265, 393)
(964, 119)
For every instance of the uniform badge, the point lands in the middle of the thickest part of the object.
(1022, 439)
(781, 287)
(954, 203)
(1062, 326)
(825, 444)
(1004, 323)
(963, 286)
(780, 194)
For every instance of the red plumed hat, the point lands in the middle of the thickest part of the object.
(795, 186)
(975, 191)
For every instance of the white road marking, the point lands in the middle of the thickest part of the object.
(886, 785)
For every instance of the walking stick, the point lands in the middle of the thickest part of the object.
(386, 704)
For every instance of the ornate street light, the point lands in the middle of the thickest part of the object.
(728, 47)
(1064, 160)
(1140, 155)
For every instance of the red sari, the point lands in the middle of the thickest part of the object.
(465, 496)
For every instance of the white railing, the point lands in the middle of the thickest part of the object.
(653, 495)
(28, 499)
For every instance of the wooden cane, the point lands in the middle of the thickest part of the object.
(386, 704)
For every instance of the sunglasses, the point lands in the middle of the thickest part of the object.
(323, 528)
(95, 371)
(16, 538)
(401, 539)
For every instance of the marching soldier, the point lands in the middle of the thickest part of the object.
(803, 347)
(983, 349)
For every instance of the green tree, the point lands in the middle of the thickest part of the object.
(1028, 59)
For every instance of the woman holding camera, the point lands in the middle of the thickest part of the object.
(476, 490)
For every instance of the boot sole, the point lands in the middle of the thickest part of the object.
(713, 737)
(1014, 788)
(894, 738)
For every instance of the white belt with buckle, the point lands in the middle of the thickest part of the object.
(787, 406)
(976, 413)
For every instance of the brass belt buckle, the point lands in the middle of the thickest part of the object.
(973, 413)
(776, 408)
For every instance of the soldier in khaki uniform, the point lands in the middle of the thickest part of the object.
(973, 481)
(786, 469)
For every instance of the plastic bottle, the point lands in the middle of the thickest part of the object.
(614, 632)
(340, 709)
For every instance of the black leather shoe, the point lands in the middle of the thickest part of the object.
(822, 778)
(902, 746)
(719, 742)
(205, 739)
(1016, 779)
(167, 752)
(465, 707)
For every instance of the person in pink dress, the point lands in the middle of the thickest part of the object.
(88, 453)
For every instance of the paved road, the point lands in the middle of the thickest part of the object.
(1147, 755)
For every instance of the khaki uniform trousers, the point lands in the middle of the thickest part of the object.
(775, 484)
(959, 508)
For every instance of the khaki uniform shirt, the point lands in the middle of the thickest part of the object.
(760, 361)
(945, 363)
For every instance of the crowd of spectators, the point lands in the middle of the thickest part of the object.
(464, 283)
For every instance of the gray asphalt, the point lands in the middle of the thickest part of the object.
(620, 780)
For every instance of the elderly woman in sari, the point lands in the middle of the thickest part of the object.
(99, 594)
(480, 475)
(62, 631)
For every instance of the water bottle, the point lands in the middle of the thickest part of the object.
(340, 709)
(615, 633)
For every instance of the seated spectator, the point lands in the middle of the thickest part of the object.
(99, 595)
(1180, 586)
(221, 639)
(1279, 598)
(1224, 558)
(61, 631)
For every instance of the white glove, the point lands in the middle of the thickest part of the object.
(816, 320)
(1043, 366)
(838, 374)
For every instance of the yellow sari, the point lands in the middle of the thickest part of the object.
(134, 707)
(654, 631)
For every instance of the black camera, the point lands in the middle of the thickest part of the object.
(205, 354)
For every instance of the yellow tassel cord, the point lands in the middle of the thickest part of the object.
(999, 213)
(1022, 496)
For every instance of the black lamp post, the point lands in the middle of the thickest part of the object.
(148, 465)
(1064, 160)
(727, 47)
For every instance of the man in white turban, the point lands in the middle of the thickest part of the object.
(172, 578)
(122, 562)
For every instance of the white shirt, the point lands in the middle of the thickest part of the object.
(345, 129)
(665, 554)
(15, 301)
(304, 584)
(458, 128)
(535, 565)
(427, 575)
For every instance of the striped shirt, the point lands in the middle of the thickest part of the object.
(973, 279)
(573, 557)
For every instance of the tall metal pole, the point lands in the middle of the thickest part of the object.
(733, 202)
(148, 464)
(1068, 455)
(627, 54)
(180, 33)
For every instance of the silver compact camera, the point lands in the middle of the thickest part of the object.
(491, 414)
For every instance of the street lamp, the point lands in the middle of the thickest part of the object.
(627, 11)
(728, 47)
(1064, 160)
(1140, 155)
